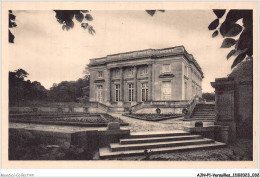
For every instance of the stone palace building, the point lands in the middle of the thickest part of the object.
(126, 79)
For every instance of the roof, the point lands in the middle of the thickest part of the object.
(151, 53)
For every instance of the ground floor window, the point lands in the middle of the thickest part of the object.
(166, 90)
(117, 92)
(144, 91)
(130, 92)
(99, 93)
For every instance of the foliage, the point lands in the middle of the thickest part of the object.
(23, 145)
(152, 12)
(12, 24)
(208, 96)
(69, 91)
(230, 29)
(65, 17)
(21, 90)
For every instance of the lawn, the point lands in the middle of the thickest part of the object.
(153, 117)
(67, 119)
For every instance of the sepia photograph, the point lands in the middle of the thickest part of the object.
(138, 85)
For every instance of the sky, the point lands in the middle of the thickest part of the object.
(51, 55)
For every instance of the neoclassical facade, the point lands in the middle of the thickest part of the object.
(147, 75)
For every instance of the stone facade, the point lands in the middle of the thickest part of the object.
(126, 79)
(234, 100)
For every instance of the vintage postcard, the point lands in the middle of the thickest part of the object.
(129, 85)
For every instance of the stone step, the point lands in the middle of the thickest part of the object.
(158, 134)
(194, 117)
(196, 109)
(203, 120)
(143, 146)
(106, 152)
(159, 139)
(205, 105)
(202, 115)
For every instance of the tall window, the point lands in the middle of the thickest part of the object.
(144, 70)
(99, 93)
(144, 91)
(166, 68)
(130, 92)
(100, 74)
(166, 90)
(117, 92)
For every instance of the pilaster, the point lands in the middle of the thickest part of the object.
(122, 84)
(135, 83)
(150, 79)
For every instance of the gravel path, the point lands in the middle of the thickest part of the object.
(136, 125)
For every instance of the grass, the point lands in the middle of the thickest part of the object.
(23, 145)
(66, 119)
(48, 104)
(153, 117)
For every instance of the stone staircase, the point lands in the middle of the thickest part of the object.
(203, 112)
(157, 142)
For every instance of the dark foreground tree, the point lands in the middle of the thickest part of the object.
(64, 17)
(243, 46)
(12, 24)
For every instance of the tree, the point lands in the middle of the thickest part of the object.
(21, 91)
(69, 91)
(208, 96)
(21, 74)
(152, 12)
(12, 24)
(64, 17)
(229, 29)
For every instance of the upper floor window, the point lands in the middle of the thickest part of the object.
(100, 74)
(131, 71)
(116, 73)
(186, 71)
(144, 70)
(166, 68)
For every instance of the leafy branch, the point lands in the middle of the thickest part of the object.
(65, 17)
(229, 29)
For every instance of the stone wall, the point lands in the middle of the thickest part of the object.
(234, 100)
(164, 110)
(89, 109)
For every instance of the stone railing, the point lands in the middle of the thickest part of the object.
(170, 103)
(103, 107)
(192, 104)
(136, 107)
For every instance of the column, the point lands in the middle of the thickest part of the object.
(122, 84)
(108, 85)
(135, 83)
